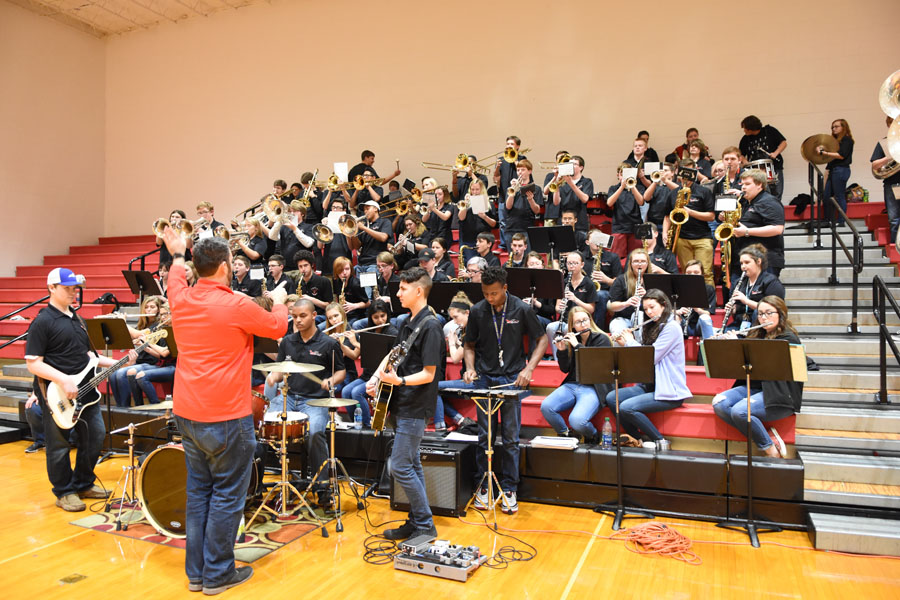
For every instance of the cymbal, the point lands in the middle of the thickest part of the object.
(164, 405)
(288, 367)
(330, 402)
(809, 145)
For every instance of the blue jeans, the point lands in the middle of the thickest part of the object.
(145, 379)
(893, 210)
(836, 186)
(406, 469)
(91, 430)
(510, 414)
(218, 457)
(356, 390)
(35, 418)
(703, 327)
(501, 217)
(633, 403)
(373, 268)
(442, 408)
(583, 402)
(121, 388)
(552, 329)
(359, 324)
(316, 447)
(731, 407)
(600, 302)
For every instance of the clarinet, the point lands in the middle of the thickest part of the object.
(729, 307)
(559, 333)
(637, 317)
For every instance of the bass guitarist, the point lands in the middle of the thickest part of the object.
(415, 382)
(57, 347)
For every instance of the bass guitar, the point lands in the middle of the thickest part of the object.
(65, 411)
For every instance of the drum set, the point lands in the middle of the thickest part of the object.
(157, 486)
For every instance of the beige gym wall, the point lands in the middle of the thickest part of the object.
(52, 117)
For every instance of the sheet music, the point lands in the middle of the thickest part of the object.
(478, 204)
(332, 221)
(629, 172)
(341, 170)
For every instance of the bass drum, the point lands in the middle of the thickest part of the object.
(162, 489)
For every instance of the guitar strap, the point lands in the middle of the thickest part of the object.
(412, 338)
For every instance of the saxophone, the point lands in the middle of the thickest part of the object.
(596, 269)
(725, 231)
(679, 216)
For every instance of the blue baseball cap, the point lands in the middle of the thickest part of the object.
(64, 277)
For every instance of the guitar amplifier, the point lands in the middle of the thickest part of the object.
(449, 468)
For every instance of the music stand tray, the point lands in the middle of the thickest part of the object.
(685, 291)
(109, 334)
(749, 360)
(535, 283)
(552, 240)
(142, 283)
(616, 365)
(442, 293)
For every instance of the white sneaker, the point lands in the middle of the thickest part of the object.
(779, 443)
(481, 499)
(508, 503)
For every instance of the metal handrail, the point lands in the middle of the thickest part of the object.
(855, 258)
(29, 305)
(817, 201)
(143, 258)
(880, 296)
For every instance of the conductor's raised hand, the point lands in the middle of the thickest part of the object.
(174, 241)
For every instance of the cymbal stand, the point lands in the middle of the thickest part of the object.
(284, 486)
(332, 463)
(487, 405)
(129, 473)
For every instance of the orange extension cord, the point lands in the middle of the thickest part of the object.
(658, 538)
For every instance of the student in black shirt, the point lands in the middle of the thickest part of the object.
(440, 246)
(762, 222)
(484, 243)
(522, 207)
(881, 160)
(471, 224)
(697, 152)
(650, 154)
(838, 170)
(367, 164)
(757, 284)
(415, 380)
(374, 234)
(241, 282)
(626, 206)
(414, 239)
(428, 264)
(58, 347)
(602, 266)
(764, 142)
(625, 294)
(517, 250)
(495, 355)
(657, 196)
(292, 234)
(573, 194)
(637, 159)
(461, 181)
(315, 213)
(175, 220)
(206, 213)
(551, 204)
(348, 291)
(315, 288)
(578, 290)
(439, 218)
(504, 173)
(569, 219)
(699, 321)
(277, 277)
(695, 240)
(311, 346)
(254, 247)
(339, 244)
(661, 258)
(369, 193)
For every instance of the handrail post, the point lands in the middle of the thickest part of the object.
(878, 296)
(833, 279)
(854, 321)
(820, 204)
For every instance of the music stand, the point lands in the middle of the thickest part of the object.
(142, 283)
(683, 290)
(535, 283)
(631, 364)
(110, 334)
(552, 240)
(442, 293)
(750, 360)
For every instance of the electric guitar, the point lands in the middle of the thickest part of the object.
(384, 391)
(66, 412)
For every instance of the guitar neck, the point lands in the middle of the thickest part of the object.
(105, 373)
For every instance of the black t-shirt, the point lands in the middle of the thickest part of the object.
(315, 213)
(877, 154)
(251, 287)
(319, 287)
(288, 245)
(650, 155)
(472, 225)
(767, 140)
(520, 217)
(584, 291)
(519, 321)
(618, 292)
(664, 259)
(626, 212)
(491, 258)
(764, 210)
(507, 174)
(354, 293)
(845, 149)
(446, 267)
(321, 349)
(427, 350)
(62, 340)
(765, 285)
(659, 204)
(566, 359)
(359, 169)
(337, 247)
(257, 244)
(462, 186)
(702, 201)
(569, 201)
(290, 286)
(370, 247)
(610, 265)
(437, 227)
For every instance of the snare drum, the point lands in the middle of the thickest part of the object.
(162, 489)
(297, 425)
(767, 166)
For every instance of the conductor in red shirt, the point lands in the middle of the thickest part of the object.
(215, 327)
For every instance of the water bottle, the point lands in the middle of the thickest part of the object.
(606, 435)
(357, 418)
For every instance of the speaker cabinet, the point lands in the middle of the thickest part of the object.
(449, 468)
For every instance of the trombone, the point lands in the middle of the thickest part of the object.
(510, 155)
(349, 226)
(323, 233)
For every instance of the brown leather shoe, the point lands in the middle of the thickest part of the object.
(95, 491)
(70, 503)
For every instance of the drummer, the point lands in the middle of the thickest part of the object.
(309, 345)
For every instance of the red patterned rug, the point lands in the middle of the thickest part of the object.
(260, 541)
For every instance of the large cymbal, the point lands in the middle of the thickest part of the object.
(889, 95)
(330, 402)
(164, 405)
(288, 367)
(808, 149)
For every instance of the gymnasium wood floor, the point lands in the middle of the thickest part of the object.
(39, 550)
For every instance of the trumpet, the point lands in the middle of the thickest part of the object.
(656, 176)
(514, 187)
(464, 203)
(630, 182)
(349, 225)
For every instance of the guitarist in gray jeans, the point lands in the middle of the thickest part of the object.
(58, 347)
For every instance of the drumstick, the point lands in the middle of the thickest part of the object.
(496, 387)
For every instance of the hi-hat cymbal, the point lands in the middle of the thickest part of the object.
(809, 152)
(164, 405)
(288, 367)
(330, 402)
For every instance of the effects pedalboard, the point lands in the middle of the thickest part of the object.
(439, 559)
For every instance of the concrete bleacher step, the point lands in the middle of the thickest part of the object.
(821, 291)
(16, 383)
(810, 330)
(847, 440)
(845, 345)
(825, 397)
(830, 466)
(844, 273)
(17, 369)
(852, 494)
(800, 239)
(852, 379)
(830, 361)
(796, 256)
(854, 534)
(883, 420)
(811, 316)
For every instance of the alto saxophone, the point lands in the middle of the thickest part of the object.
(679, 215)
(725, 231)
